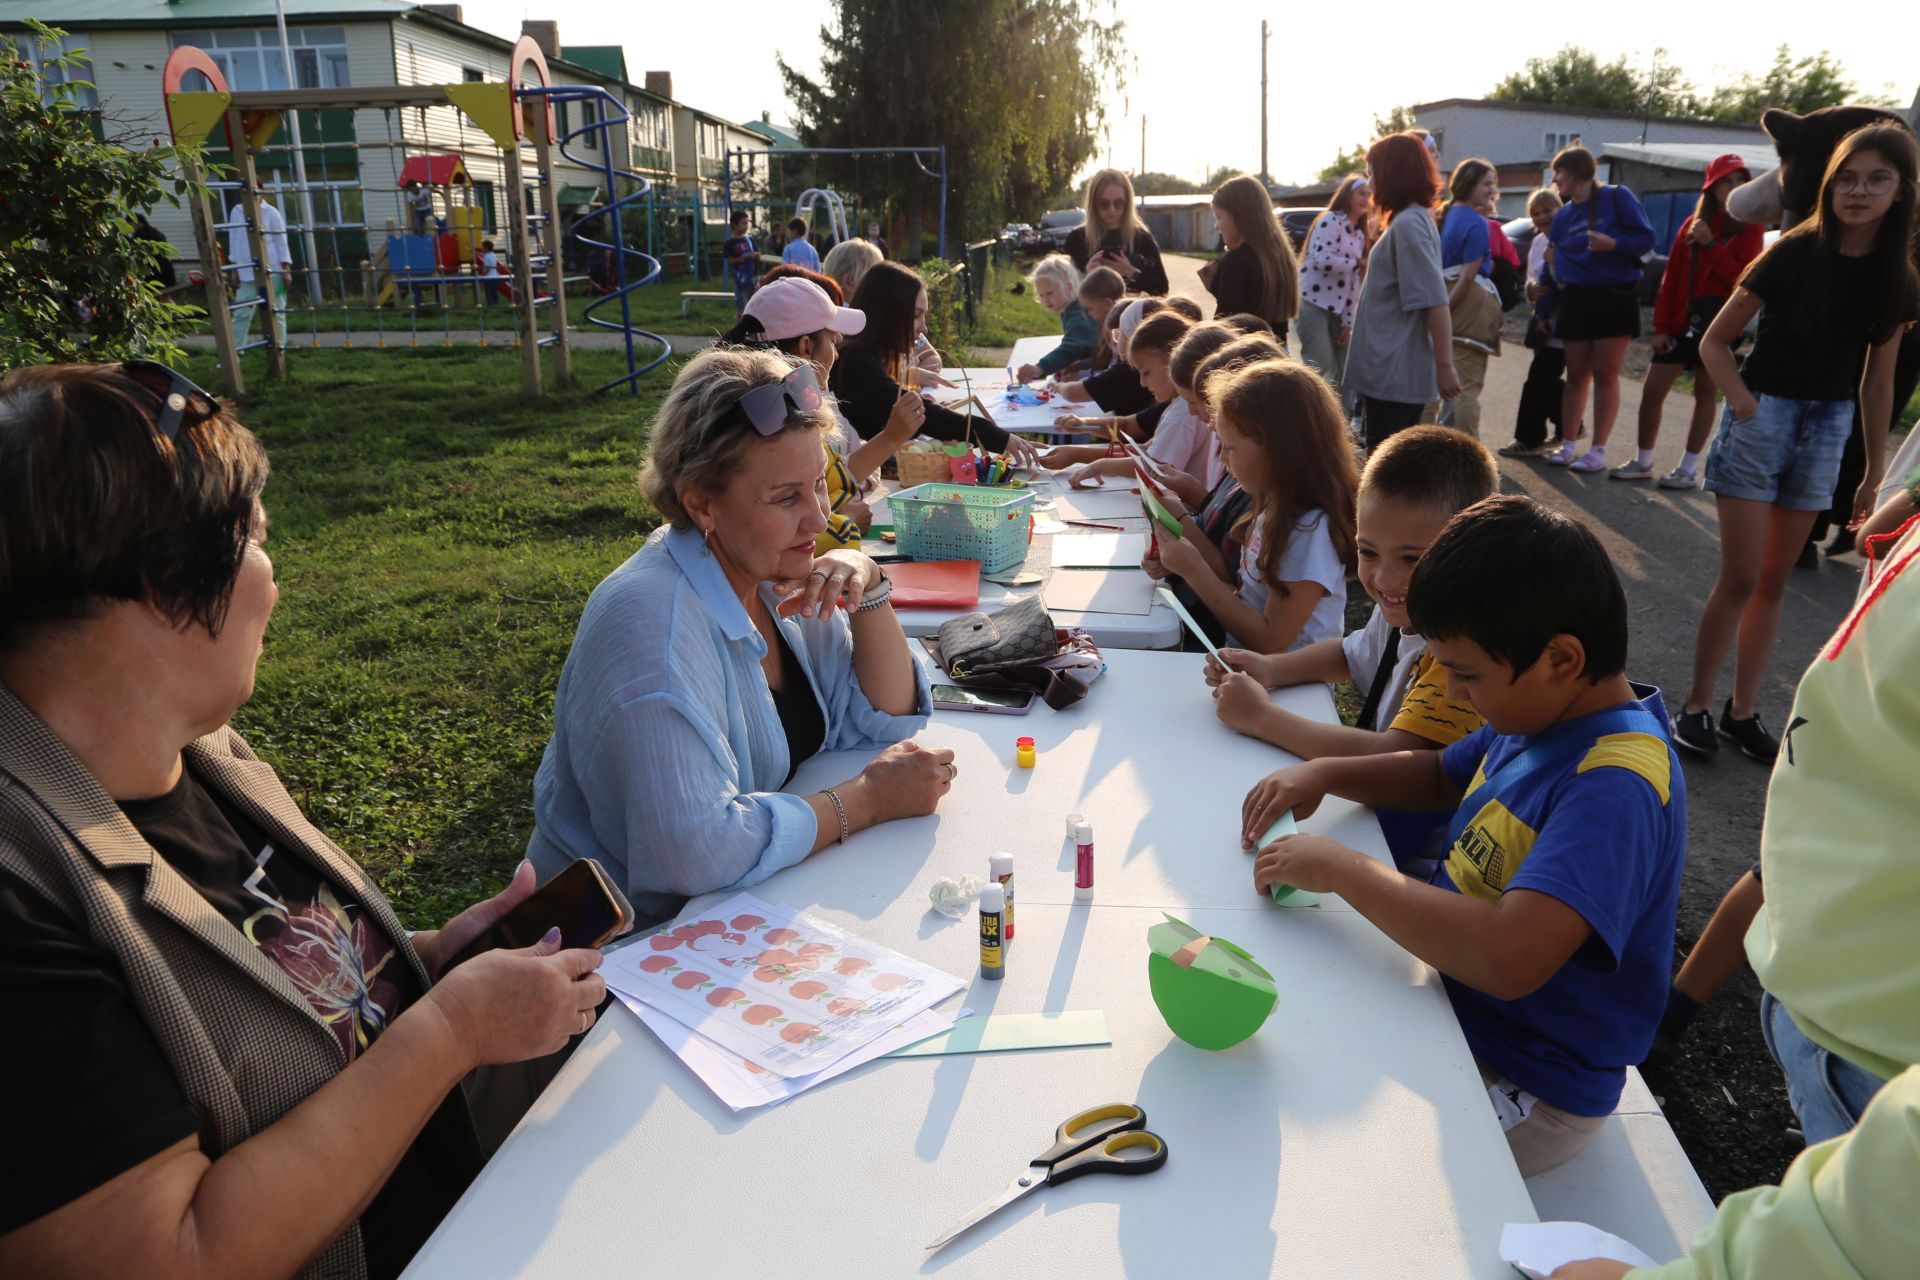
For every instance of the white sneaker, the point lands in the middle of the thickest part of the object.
(1680, 478)
(1634, 470)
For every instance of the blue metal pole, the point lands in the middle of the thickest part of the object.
(943, 200)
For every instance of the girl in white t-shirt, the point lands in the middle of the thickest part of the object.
(1283, 437)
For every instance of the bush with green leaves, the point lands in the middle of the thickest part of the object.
(75, 282)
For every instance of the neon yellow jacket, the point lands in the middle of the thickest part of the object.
(1844, 1211)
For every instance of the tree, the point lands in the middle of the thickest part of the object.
(1015, 89)
(1165, 184)
(1800, 86)
(75, 282)
(1354, 159)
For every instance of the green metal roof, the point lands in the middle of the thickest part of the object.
(189, 13)
(608, 60)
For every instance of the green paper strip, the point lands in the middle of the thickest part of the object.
(1173, 602)
(1285, 895)
(995, 1032)
(1162, 516)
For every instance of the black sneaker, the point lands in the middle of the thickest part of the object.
(1694, 731)
(1752, 737)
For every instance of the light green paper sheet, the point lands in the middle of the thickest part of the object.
(1173, 602)
(994, 1032)
(1285, 895)
(1159, 512)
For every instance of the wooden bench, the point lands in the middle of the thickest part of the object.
(1632, 1179)
(690, 296)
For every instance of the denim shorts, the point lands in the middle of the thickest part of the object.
(1788, 453)
(1828, 1093)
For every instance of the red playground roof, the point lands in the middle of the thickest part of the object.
(435, 171)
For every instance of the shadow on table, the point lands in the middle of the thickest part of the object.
(950, 1079)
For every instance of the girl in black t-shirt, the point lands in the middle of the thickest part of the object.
(1833, 295)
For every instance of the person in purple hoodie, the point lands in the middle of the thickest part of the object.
(1596, 243)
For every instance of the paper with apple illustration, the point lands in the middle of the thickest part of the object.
(788, 992)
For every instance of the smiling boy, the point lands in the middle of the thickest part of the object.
(1551, 919)
(1414, 483)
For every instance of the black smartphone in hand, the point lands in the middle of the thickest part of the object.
(582, 901)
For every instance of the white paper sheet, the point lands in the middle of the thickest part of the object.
(1100, 591)
(791, 992)
(1096, 504)
(1099, 551)
(741, 1085)
(1538, 1249)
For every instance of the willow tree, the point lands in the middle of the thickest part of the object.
(1016, 90)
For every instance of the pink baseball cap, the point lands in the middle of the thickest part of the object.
(790, 308)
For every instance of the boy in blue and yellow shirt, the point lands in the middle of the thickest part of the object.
(1551, 919)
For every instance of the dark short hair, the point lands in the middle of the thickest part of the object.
(1576, 160)
(1509, 575)
(1434, 467)
(738, 215)
(1201, 341)
(97, 506)
(797, 225)
(1249, 326)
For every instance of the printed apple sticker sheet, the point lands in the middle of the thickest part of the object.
(785, 991)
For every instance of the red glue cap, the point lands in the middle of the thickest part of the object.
(1023, 742)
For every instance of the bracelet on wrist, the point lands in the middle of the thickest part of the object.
(839, 810)
(878, 596)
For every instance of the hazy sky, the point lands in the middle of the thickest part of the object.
(1197, 81)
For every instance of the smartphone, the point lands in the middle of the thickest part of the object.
(582, 900)
(1000, 702)
(1110, 242)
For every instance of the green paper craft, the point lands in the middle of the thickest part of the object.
(1162, 516)
(1173, 602)
(1285, 895)
(1212, 994)
(996, 1032)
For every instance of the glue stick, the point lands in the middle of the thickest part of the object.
(1083, 863)
(993, 962)
(1000, 872)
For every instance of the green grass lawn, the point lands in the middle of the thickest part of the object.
(1004, 317)
(435, 538)
(655, 307)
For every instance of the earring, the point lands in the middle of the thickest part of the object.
(706, 539)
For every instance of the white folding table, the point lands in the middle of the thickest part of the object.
(1351, 1136)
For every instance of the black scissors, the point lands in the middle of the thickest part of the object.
(1111, 1139)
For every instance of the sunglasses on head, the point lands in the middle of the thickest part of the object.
(766, 408)
(182, 404)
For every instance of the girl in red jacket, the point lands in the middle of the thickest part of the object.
(1709, 253)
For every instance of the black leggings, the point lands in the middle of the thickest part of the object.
(1540, 396)
(1384, 417)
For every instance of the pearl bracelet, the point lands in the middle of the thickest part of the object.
(878, 596)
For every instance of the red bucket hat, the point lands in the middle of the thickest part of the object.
(1721, 167)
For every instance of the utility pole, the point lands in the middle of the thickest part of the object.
(1143, 143)
(1266, 179)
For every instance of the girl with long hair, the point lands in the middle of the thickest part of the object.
(1283, 437)
(874, 363)
(1466, 263)
(1336, 246)
(1709, 252)
(1113, 235)
(1257, 276)
(1598, 237)
(1837, 289)
(1400, 358)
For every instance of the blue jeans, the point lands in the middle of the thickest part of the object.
(1788, 453)
(1828, 1093)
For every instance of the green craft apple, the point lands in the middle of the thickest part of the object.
(1210, 992)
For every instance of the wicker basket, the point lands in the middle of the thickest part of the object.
(964, 522)
(924, 468)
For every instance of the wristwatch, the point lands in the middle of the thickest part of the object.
(877, 596)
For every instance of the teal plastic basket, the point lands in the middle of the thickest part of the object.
(964, 522)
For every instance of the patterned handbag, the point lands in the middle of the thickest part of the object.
(1018, 647)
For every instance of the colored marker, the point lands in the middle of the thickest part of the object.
(993, 957)
(1082, 863)
(1088, 524)
(1000, 871)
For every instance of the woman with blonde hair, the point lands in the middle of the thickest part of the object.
(1113, 235)
(1257, 276)
(847, 261)
(1336, 245)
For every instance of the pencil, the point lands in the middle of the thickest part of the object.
(1088, 524)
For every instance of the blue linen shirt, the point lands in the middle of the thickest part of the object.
(801, 253)
(667, 752)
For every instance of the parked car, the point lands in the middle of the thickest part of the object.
(1013, 231)
(1055, 227)
(1296, 223)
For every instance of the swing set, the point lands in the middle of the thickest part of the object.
(521, 146)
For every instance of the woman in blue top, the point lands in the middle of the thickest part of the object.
(724, 653)
(1597, 241)
(1466, 264)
